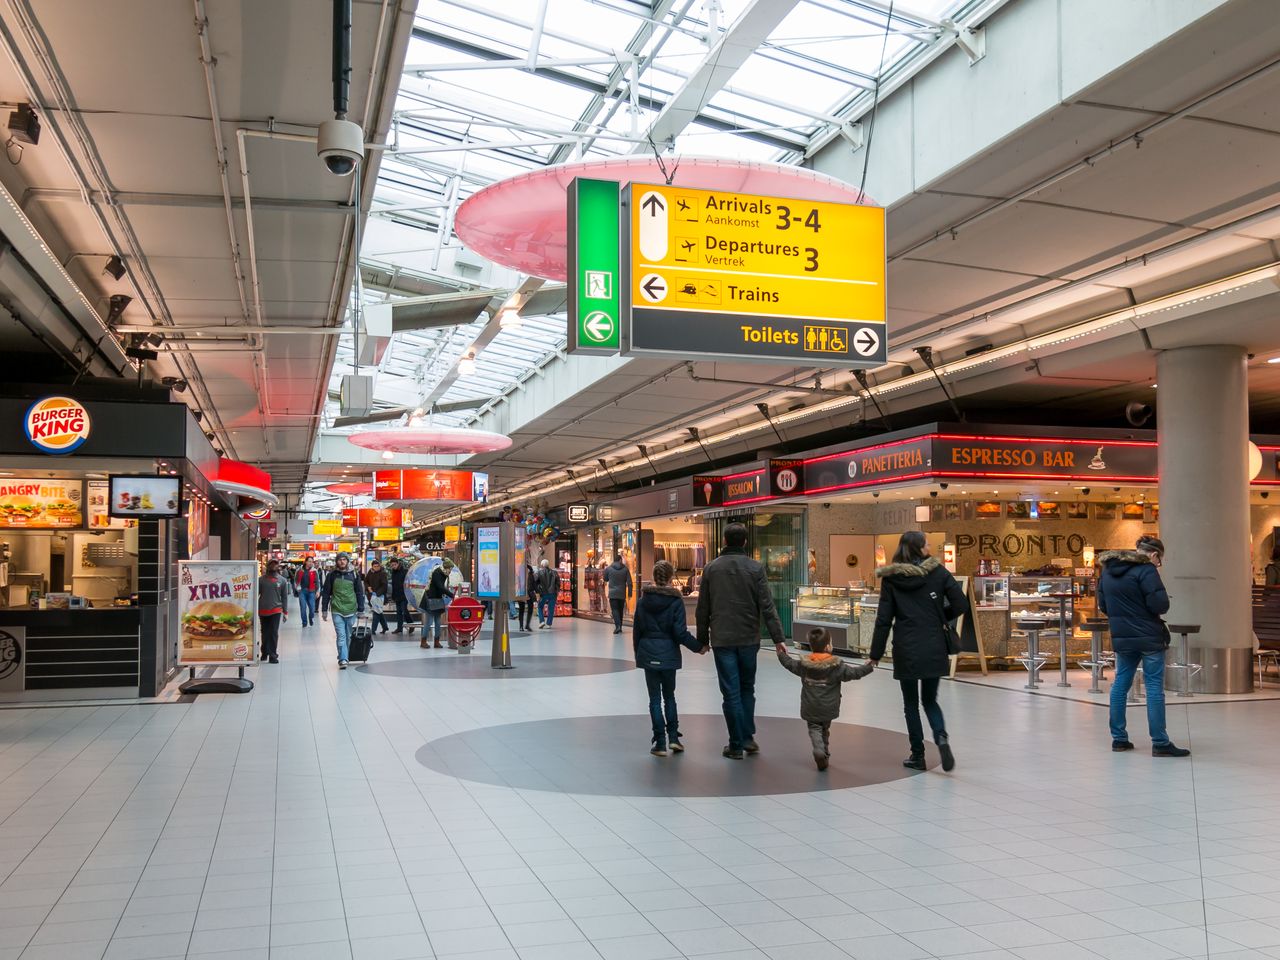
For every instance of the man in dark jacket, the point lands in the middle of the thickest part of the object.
(547, 584)
(618, 579)
(733, 601)
(1132, 596)
(398, 596)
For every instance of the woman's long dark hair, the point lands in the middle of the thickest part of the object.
(910, 547)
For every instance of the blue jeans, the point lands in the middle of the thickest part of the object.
(736, 669)
(342, 626)
(662, 704)
(546, 609)
(307, 604)
(1153, 674)
(434, 619)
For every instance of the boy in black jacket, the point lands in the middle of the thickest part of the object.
(660, 629)
(821, 674)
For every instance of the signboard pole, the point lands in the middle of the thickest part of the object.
(500, 656)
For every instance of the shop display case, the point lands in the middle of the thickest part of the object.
(991, 592)
(832, 609)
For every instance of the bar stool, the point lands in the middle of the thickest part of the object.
(1064, 633)
(1188, 668)
(1265, 656)
(1033, 660)
(1098, 661)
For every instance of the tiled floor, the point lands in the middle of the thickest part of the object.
(297, 822)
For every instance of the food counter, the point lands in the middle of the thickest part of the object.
(1000, 601)
(86, 653)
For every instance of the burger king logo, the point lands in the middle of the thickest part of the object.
(57, 424)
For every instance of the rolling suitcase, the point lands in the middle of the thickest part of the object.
(361, 642)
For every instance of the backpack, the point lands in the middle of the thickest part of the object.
(343, 600)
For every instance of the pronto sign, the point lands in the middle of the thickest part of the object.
(739, 276)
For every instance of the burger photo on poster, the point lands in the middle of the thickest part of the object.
(18, 507)
(216, 620)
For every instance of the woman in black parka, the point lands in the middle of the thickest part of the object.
(918, 599)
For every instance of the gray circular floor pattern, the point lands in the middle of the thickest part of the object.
(449, 664)
(610, 756)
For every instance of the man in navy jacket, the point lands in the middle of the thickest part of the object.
(1132, 596)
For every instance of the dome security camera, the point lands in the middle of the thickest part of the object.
(944, 485)
(933, 493)
(1085, 491)
(876, 494)
(340, 144)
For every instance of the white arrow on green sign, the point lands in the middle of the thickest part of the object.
(594, 267)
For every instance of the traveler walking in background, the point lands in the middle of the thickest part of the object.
(618, 579)
(438, 596)
(344, 592)
(309, 582)
(398, 596)
(525, 607)
(273, 607)
(658, 633)
(821, 674)
(376, 586)
(548, 589)
(733, 602)
(919, 598)
(1132, 597)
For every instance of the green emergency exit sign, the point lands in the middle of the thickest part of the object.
(594, 267)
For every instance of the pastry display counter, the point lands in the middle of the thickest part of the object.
(1001, 601)
(848, 614)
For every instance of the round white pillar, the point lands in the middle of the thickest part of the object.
(1203, 419)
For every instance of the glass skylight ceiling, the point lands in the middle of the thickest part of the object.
(817, 68)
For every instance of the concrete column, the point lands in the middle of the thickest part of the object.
(1203, 419)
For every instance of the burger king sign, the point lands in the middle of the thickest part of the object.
(57, 424)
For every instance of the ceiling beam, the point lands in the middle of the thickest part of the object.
(137, 198)
(726, 56)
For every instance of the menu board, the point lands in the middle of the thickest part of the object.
(216, 603)
(488, 561)
(145, 496)
(97, 493)
(36, 504)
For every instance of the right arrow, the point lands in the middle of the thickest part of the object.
(653, 203)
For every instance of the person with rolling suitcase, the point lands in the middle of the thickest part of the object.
(344, 592)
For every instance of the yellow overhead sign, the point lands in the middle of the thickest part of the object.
(326, 528)
(390, 534)
(758, 267)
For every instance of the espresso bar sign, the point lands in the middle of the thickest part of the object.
(1129, 460)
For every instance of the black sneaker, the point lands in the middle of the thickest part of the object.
(1120, 746)
(821, 759)
(1169, 750)
(751, 746)
(342, 664)
(275, 660)
(732, 754)
(914, 762)
(676, 745)
(948, 758)
(659, 748)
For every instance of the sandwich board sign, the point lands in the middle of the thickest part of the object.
(217, 612)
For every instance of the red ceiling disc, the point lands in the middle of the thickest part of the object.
(431, 440)
(520, 223)
(351, 489)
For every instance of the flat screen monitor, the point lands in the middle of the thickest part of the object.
(145, 496)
